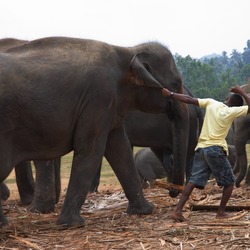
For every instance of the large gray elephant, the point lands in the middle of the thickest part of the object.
(62, 94)
(144, 130)
(39, 200)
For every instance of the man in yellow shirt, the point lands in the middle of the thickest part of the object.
(211, 150)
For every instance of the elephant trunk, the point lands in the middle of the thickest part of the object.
(180, 125)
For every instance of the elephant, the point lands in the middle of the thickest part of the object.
(149, 167)
(39, 200)
(155, 131)
(241, 132)
(156, 162)
(144, 130)
(61, 94)
(241, 138)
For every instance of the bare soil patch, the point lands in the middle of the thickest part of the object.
(109, 227)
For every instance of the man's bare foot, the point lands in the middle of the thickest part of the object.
(224, 216)
(178, 217)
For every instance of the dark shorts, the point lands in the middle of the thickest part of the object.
(211, 160)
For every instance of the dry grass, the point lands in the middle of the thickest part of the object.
(109, 227)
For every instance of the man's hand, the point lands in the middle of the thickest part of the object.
(237, 89)
(180, 97)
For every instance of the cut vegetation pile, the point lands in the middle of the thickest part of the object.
(109, 227)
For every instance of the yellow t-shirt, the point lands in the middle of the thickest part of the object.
(217, 122)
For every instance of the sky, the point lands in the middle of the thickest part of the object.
(187, 27)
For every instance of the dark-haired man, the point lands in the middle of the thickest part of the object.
(211, 150)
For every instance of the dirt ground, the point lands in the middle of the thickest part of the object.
(107, 225)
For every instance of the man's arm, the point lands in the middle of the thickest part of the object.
(238, 90)
(180, 97)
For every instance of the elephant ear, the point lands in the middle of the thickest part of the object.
(140, 71)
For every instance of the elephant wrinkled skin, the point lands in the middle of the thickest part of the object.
(62, 94)
(39, 200)
(241, 138)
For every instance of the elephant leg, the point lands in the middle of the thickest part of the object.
(90, 138)
(3, 220)
(57, 171)
(96, 181)
(168, 164)
(25, 182)
(248, 175)
(242, 161)
(4, 173)
(236, 168)
(119, 154)
(165, 156)
(4, 191)
(84, 168)
(45, 195)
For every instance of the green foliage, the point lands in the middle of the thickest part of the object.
(213, 77)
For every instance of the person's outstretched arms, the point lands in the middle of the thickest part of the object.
(238, 90)
(180, 97)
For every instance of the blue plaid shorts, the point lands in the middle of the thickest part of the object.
(211, 160)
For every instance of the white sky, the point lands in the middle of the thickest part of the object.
(187, 27)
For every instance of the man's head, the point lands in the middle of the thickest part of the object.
(234, 100)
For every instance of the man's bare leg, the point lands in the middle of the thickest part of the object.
(177, 215)
(226, 194)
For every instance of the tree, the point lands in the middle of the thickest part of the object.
(212, 77)
(246, 53)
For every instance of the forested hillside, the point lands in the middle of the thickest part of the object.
(213, 76)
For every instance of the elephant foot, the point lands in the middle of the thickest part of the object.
(5, 192)
(42, 207)
(144, 207)
(3, 220)
(70, 220)
(26, 199)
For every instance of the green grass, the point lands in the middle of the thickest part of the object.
(107, 174)
(10, 180)
(108, 177)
